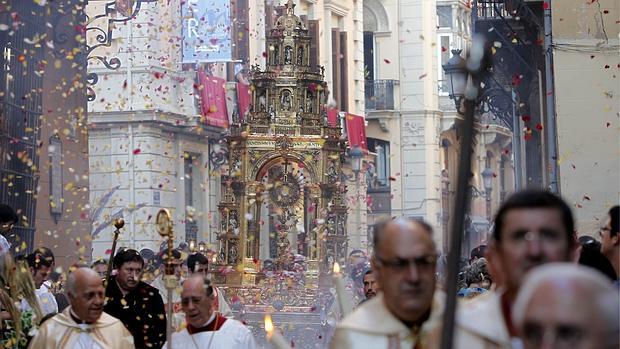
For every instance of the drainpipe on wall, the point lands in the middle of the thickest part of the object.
(552, 145)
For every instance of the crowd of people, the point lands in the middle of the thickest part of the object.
(533, 285)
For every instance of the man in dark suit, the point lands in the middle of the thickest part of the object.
(138, 305)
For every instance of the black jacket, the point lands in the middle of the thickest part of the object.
(141, 311)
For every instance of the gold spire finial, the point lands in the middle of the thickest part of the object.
(290, 7)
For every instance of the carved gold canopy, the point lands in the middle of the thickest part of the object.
(285, 164)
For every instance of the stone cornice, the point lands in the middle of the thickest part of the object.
(336, 7)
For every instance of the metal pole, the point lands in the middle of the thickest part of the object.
(460, 207)
(358, 214)
(552, 150)
(516, 143)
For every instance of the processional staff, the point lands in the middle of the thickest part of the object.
(479, 60)
(118, 224)
(164, 228)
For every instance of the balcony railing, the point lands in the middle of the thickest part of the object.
(380, 94)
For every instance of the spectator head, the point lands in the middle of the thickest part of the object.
(100, 266)
(8, 218)
(477, 252)
(40, 264)
(129, 265)
(198, 263)
(477, 274)
(197, 300)
(610, 238)
(567, 305)
(371, 286)
(532, 228)
(404, 265)
(86, 294)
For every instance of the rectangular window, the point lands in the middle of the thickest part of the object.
(378, 172)
(193, 204)
(445, 46)
(444, 16)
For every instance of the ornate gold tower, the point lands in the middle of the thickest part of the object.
(284, 195)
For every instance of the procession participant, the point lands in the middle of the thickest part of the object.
(137, 304)
(198, 264)
(205, 328)
(41, 264)
(563, 305)
(101, 267)
(83, 324)
(407, 312)
(159, 283)
(531, 228)
(610, 240)
(371, 286)
(8, 219)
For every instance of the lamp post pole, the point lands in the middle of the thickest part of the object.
(487, 179)
(357, 154)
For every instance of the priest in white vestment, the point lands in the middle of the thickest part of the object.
(207, 329)
(83, 324)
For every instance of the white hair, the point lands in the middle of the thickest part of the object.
(600, 293)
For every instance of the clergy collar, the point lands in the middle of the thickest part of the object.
(77, 319)
(214, 323)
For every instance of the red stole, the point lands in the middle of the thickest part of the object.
(214, 325)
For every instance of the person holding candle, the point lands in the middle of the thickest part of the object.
(207, 329)
(407, 313)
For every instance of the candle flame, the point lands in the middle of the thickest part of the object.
(268, 324)
(336, 267)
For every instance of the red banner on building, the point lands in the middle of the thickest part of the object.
(356, 131)
(213, 100)
(243, 99)
(332, 116)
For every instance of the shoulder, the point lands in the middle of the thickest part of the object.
(146, 289)
(232, 325)
(364, 317)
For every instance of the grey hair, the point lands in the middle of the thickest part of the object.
(601, 293)
(382, 224)
(71, 279)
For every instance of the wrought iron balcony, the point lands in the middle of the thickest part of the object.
(380, 94)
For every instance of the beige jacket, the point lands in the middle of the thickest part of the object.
(62, 332)
(372, 326)
(480, 324)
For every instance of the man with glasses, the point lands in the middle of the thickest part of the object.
(198, 265)
(8, 219)
(138, 305)
(610, 239)
(407, 313)
(532, 228)
(567, 306)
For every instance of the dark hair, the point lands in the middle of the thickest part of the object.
(478, 252)
(614, 216)
(7, 214)
(587, 241)
(126, 256)
(593, 258)
(380, 226)
(369, 271)
(162, 257)
(355, 251)
(100, 261)
(196, 258)
(477, 272)
(41, 257)
(531, 199)
(208, 287)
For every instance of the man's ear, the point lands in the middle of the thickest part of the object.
(615, 239)
(494, 263)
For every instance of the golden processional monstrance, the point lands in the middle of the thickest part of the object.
(283, 195)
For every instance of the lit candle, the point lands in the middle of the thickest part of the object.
(343, 299)
(273, 336)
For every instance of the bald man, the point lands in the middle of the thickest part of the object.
(83, 324)
(564, 305)
(205, 327)
(407, 313)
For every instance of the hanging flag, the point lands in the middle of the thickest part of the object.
(213, 100)
(243, 99)
(356, 131)
(332, 116)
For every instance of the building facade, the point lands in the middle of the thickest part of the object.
(151, 146)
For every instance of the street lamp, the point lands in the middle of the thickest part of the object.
(357, 155)
(456, 77)
(487, 180)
